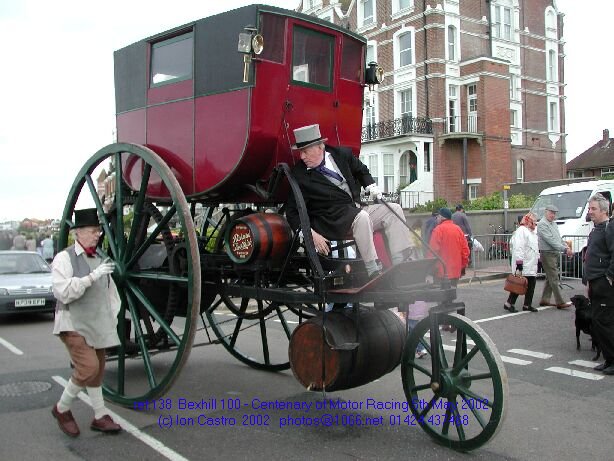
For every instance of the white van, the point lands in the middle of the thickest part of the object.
(572, 202)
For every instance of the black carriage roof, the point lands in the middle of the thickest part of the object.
(215, 49)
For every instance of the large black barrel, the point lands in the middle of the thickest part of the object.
(381, 337)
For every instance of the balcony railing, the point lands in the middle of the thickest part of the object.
(461, 124)
(397, 127)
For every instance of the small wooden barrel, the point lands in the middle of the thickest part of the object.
(258, 237)
(381, 337)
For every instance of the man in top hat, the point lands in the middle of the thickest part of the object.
(85, 320)
(330, 179)
(550, 248)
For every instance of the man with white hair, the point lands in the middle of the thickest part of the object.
(85, 320)
(330, 179)
(599, 274)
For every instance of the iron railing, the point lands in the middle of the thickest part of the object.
(461, 124)
(397, 127)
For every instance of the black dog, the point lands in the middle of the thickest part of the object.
(584, 320)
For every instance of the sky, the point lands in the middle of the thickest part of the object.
(57, 96)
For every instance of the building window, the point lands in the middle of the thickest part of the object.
(405, 103)
(452, 43)
(474, 190)
(405, 49)
(371, 53)
(502, 26)
(574, 174)
(513, 118)
(388, 173)
(367, 10)
(552, 66)
(453, 124)
(427, 156)
(171, 60)
(608, 170)
(404, 169)
(519, 170)
(369, 113)
(552, 117)
(373, 161)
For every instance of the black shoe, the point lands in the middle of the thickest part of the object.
(529, 308)
(509, 307)
(609, 370)
(602, 367)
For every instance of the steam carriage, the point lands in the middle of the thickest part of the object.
(193, 217)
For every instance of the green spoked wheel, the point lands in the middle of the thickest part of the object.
(464, 406)
(157, 274)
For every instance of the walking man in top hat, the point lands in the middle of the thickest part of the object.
(330, 179)
(85, 320)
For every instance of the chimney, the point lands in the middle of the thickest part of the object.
(606, 135)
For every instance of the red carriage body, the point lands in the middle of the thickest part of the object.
(183, 94)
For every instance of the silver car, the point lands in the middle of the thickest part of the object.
(25, 283)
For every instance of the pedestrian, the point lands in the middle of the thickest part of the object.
(19, 242)
(429, 225)
(330, 179)
(550, 248)
(599, 275)
(30, 243)
(448, 241)
(85, 320)
(459, 217)
(47, 245)
(525, 254)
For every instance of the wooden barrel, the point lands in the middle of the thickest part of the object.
(381, 337)
(258, 237)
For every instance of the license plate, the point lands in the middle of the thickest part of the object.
(30, 302)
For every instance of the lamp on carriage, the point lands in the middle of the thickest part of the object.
(249, 41)
(374, 75)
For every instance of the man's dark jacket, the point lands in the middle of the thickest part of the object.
(599, 252)
(331, 210)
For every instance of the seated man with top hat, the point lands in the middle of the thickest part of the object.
(330, 179)
(85, 320)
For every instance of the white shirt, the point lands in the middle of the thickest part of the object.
(67, 289)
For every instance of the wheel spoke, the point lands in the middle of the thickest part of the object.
(443, 361)
(475, 412)
(153, 312)
(472, 395)
(141, 341)
(235, 333)
(461, 347)
(421, 387)
(283, 321)
(121, 350)
(119, 206)
(428, 407)
(459, 427)
(105, 222)
(478, 376)
(465, 360)
(446, 422)
(157, 276)
(139, 252)
(263, 333)
(421, 369)
(138, 213)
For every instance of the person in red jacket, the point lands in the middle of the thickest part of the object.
(449, 242)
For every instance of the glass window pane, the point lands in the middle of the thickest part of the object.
(312, 57)
(171, 60)
(367, 12)
(272, 30)
(388, 164)
(405, 49)
(370, 53)
(351, 62)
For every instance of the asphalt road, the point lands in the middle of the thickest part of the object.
(558, 408)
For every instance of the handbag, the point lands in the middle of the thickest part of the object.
(516, 284)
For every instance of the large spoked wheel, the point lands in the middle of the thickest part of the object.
(249, 327)
(466, 406)
(157, 275)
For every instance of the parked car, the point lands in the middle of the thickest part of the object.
(25, 283)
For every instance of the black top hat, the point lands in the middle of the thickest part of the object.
(85, 218)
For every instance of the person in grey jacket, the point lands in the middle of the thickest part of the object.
(599, 274)
(550, 247)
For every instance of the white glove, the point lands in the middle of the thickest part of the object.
(103, 269)
(374, 191)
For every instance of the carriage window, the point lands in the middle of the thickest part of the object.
(312, 58)
(272, 29)
(351, 68)
(171, 60)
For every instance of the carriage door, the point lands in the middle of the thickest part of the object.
(350, 92)
(310, 94)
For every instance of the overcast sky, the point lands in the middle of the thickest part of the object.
(58, 106)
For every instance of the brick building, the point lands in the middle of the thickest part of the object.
(472, 96)
(597, 160)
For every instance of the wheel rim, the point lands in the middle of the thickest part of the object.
(468, 408)
(247, 327)
(137, 370)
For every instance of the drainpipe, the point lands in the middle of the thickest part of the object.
(426, 57)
